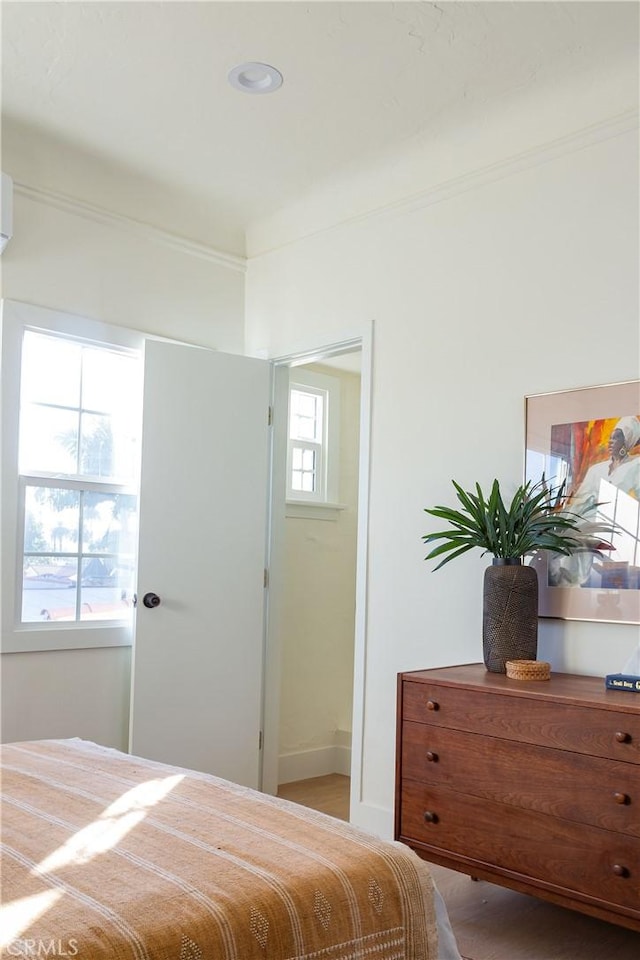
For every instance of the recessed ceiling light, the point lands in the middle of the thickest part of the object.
(255, 78)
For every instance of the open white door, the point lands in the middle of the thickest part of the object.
(198, 655)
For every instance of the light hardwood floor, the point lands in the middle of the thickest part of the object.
(491, 922)
(327, 794)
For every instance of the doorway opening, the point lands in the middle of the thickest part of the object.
(319, 575)
(315, 637)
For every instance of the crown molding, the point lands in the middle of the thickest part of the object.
(140, 229)
(285, 234)
(534, 157)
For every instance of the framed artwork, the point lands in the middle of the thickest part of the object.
(590, 440)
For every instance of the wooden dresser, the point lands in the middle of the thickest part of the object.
(534, 785)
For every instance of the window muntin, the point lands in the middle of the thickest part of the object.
(78, 464)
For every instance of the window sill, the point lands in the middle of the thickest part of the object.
(308, 510)
(31, 638)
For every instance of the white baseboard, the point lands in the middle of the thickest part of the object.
(318, 762)
(375, 820)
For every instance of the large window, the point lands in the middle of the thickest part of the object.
(78, 466)
(71, 421)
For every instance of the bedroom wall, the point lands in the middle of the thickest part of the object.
(317, 623)
(81, 263)
(522, 281)
(70, 258)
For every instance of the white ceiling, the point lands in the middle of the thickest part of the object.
(126, 105)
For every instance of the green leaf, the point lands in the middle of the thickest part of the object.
(452, 557)
(537, 518)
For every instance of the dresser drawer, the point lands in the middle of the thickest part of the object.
(597, 732)
(563, 784)
(559, 855)
(571, 785)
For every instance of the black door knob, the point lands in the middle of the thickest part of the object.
(151, 600)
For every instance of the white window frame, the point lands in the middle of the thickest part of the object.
(317, 446)
(326, 497)
(20, 637)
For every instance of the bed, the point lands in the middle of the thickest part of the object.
(107, 855)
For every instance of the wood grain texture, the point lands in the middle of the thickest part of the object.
(534, 785)
(591, 728)
(591, 790)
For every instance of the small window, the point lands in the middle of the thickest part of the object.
(313, 437)
(78, 469)
(306, 442)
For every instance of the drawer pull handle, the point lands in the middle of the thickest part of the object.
(433, 818)
(433, 705)
(432, 757)
(623, 737)
(620, 871)
(621, 797)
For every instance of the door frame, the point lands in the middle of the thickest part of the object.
(361, 339)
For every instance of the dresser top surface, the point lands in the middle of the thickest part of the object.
(567, 687)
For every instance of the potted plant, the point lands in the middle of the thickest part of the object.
(536, 519)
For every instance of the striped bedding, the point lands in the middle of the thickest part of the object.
(106, 855)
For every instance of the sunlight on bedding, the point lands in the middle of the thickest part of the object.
(112, 825)
(17, 916)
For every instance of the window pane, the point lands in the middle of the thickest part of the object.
(109, 524)
(308, 460)
(103, 405)
(306, 404)
(101, 370)
(110, 439)
(306, 416)
(48, 439)
(305, 429)
(296, 480)
(50, 370)
(49, 588)
(96, 446)
(52, 517)
(307, 482)
(106, 554)
(106, 589)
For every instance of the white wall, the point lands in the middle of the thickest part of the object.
(67, 693)
(113, 272)
(317, 622)
(524, 281)
(65, 260)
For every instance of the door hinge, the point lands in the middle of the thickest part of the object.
(269, 416)
(266, 577)
(260, 740)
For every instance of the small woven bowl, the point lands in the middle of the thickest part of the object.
(528, 670)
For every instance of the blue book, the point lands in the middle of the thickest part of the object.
(622, 681)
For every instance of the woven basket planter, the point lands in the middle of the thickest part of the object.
(528, 670)
(510, 614)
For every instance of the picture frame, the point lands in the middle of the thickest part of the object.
(569, 438)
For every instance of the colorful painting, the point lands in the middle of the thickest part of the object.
(589, 440)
